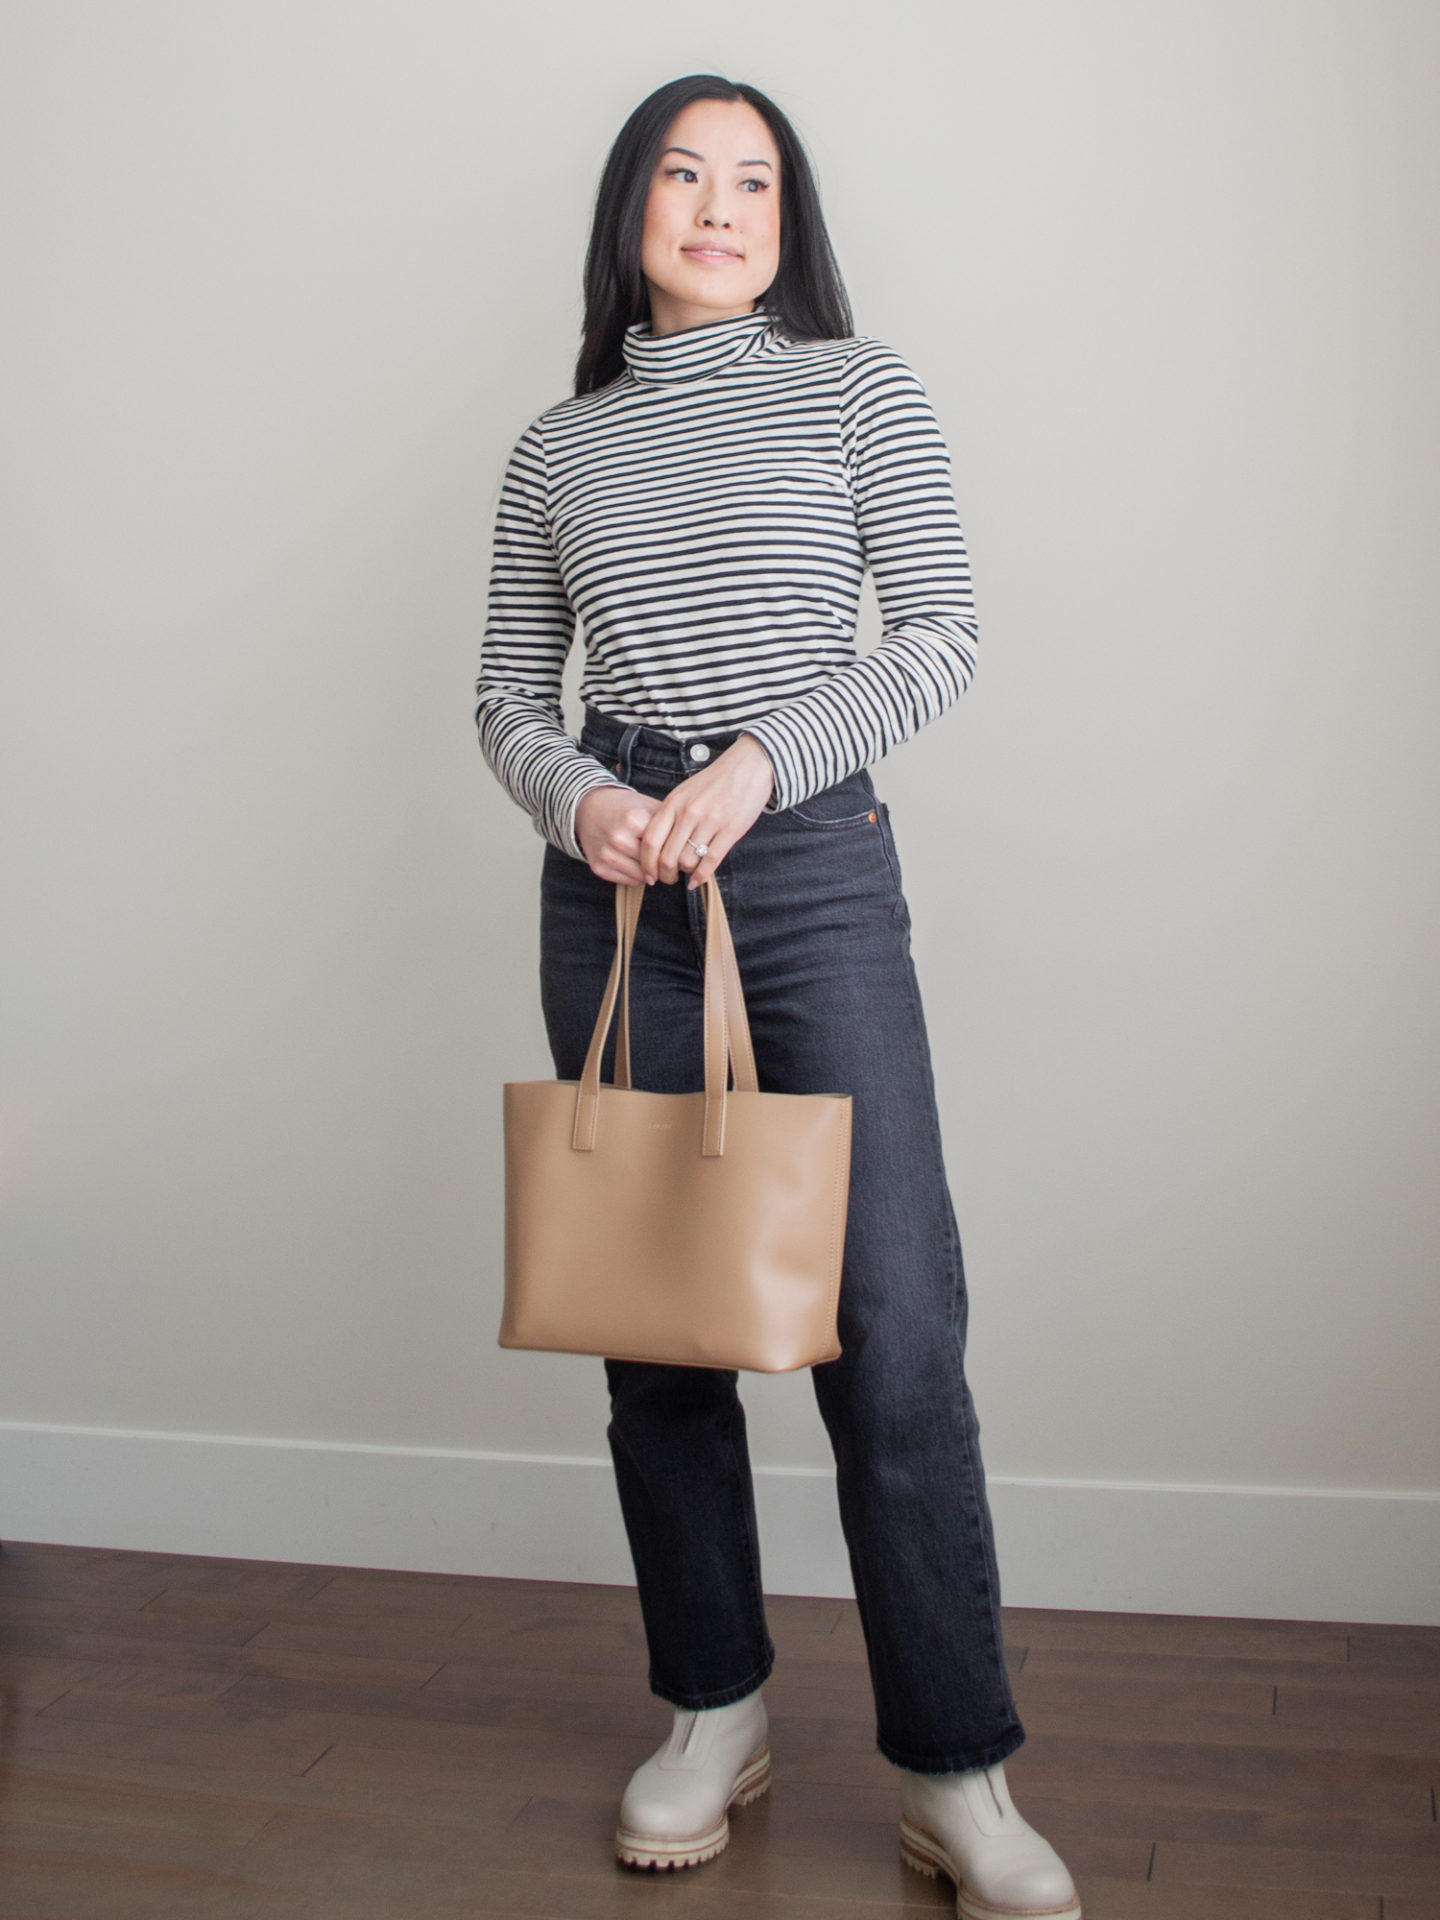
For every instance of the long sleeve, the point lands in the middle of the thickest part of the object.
(899, 468)
(528, 634)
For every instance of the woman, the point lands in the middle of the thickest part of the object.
(707, 502)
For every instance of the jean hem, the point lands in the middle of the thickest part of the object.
(717, 1696)
(953, 1762)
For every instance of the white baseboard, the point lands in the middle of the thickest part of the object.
(1261, 1552)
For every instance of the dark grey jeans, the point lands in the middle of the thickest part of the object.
(822, 936)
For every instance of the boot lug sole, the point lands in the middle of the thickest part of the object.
(693, 1849)
(920, 1849)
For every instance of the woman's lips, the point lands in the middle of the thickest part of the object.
(710, 253)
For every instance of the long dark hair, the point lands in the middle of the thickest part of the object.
(806, 299)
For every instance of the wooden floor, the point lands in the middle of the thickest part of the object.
(224, 1740)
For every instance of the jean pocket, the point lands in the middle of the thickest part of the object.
(602, 750)
(850, 802)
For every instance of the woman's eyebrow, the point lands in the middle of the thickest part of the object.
(700, 156)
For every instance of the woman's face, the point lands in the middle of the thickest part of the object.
(711, 241)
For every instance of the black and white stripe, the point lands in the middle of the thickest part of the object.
(709, 516)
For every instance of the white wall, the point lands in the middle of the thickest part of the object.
(283, 282)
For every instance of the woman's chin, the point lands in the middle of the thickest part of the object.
(711, 295)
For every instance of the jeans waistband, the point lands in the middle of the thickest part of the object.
(625, 744)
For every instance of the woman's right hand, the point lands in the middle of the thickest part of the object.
(608, 824)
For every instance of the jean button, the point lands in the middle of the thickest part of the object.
(699, 751)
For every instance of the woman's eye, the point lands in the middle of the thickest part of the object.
(689, 174)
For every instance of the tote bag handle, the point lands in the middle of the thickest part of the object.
(727, 1026)
(737, 1024)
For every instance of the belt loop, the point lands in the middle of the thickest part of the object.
(623, 751)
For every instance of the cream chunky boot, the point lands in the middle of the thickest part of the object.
(965, 1825)
(674, 1812)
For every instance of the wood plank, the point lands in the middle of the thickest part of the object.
(82, 1618)
(125, 1583)
(1414, 1751)
(1416, 1647)
(50, 1867)
(27, 1685)
(38, 1796)
(287, 1749)
(391, 1642)
(1135, 1697)
(1408, 1718)
(374, 1594)
(1201, 1635)
(1179, 1772)
(618, 1646)
(596, 1705)
(551, 1764)
(197, 1609)
(31, 1647)
(1107, 1899)
(1348, 1679)
(1327, 1870)
(455, 1794)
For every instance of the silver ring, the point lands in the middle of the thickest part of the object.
(702, 847)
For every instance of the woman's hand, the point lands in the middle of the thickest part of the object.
(608, 825)
(715, 807)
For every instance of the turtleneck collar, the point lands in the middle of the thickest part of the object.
(694, 352)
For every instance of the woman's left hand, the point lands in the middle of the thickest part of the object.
(715, 807)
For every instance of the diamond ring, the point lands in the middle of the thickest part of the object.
(702, 847)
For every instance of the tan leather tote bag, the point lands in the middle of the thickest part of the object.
(702, 1229)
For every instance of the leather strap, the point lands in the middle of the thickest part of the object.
(717, 1039)
(737, 1023)
(627, 918)
(727, 1025)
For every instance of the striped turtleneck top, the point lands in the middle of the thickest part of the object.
(709, 516)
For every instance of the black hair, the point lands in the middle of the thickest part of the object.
(806, 299)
